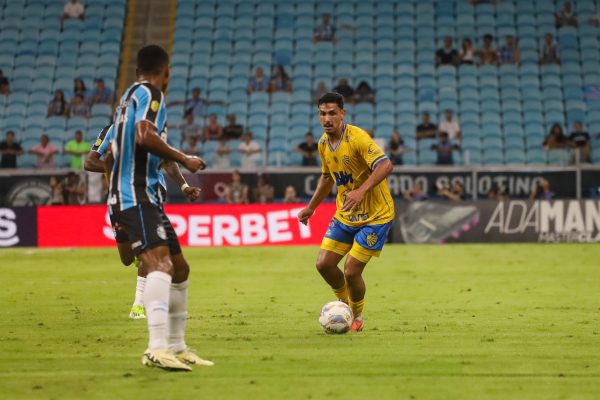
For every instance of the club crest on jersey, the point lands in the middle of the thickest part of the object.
(154, 105)
(98, 142)
(161, 233)
(346, 160)
(371, 239)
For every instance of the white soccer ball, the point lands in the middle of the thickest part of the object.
(336, 317)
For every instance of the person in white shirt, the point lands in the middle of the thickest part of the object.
(73, 9)
(251, 152)
(450, 126)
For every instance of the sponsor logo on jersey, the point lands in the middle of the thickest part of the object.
(154, 105)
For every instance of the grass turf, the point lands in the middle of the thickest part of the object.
(442, 322)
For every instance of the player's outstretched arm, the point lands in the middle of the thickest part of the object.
(354, 197)
(147, 137)
(93, 163)
(173, 171)
(321, 192)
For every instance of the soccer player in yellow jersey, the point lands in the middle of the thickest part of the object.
(356, 165)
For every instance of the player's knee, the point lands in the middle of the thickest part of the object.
(323, 265)
(351, 274)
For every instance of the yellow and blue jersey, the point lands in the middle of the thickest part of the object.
(350, 164)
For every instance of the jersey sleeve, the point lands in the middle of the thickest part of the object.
(369, 151)
(321, 148)
(150, 101)
(104, 138)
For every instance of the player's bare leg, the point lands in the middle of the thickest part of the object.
(353, 270)
(327, 265)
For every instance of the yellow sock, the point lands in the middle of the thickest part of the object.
(342, 293)
(357, 307)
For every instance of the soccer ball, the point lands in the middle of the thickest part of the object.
(336, 317)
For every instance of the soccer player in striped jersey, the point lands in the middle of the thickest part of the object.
(356, 165)
(133, 200)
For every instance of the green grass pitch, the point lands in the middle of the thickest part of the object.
(442, 322)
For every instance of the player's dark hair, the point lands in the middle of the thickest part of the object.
(332, 98)
(152, 59)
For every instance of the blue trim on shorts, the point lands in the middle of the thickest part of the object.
(143, 226)
(363, 235)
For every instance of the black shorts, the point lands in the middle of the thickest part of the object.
(174, 246)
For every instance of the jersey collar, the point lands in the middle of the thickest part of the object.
(331, 148)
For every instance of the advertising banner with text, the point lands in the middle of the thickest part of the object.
(18, 226)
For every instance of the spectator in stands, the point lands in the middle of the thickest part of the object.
(232, 130)
(258, 83)
(197, 104)
(79, 87)
(580, 140)
(444, 149)
(236, 192)
(542, 191)
(345, 90)
(58, 107)
(45, 152)
(77, 148)
(264, 191)
(222, 155)
(380, 142)
(364, 93)
(72, 10)
(319, 91)
(566, 17)
(250, 150)
(280, 81)
(467, 52)
(447, 55)
(395, 148)
(309, 150)
(426, 129)
(73, 189)
(556, 139)
(416, 193)
(213, 131)
(456, 193)
(57, 197)
(4, 84)
(325, 32)
(290, 195)
(498, 193)
(190, 129)
(549, 52)
(510, 53)
(487, 53)
(101, 94)
(78, 108)
(450, 125)
(10, 150)
(192, 147)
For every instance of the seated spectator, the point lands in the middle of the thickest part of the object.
(263, 192)
(426, 129)
(555, 139)
(395, 149)
(457, 193)
(197, 105)
(251, 152)
(280, 81)
(222, 155)
(364, 93)
(232, 130)
(57, 192)
(290, 195)
(542, 191)
(325, 32)
(467, 52)
(44, 152)
(72, 10)
(487, 53)
(510, 53)
(192, 147)
(101, 94)
(444, 148)
(345, 90)
(4, 84)
(78, 108)
(450, 125)
(416, 193)
(447, 55)
(58, 107)
(79, 88)
(236, 192)
(566, 17)
(318, 92)
(380, 142)
(190, 129)
(549, 52)
(258, 83)
(580, 140)
(10, 150)
(213, 131)
(498, 193)
(309, 150)
(73, 189)
(77, 148)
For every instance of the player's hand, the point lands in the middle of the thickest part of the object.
(353, 200)
(193, 163)
(192, 193)
(305, 214)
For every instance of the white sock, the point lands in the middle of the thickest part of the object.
(177, 316)
(156, 302)
(139, 291)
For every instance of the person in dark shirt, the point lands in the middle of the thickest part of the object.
(447, 55)
(455, 193)
(10, 150)
(4, 85)
(309, 149)
(580, 140)
(444, 148)
(426, 129)
(555, 139)
(542, 191)
(395, 149)
(345, 90)
(232, 130)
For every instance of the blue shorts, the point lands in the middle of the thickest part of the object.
(362, 242)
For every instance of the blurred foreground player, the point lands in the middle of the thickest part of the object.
(358, 167)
